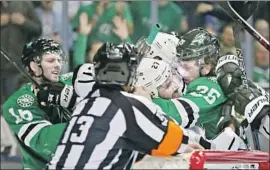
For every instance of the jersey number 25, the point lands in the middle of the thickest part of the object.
(209, 95)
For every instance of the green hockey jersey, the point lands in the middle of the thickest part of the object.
(201, 105)
(29, 122)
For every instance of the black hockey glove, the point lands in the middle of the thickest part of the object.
(251, 104)
(56, 94)
(228, 73)
(227, 118)
(260, 89)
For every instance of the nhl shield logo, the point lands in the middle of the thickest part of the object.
(25, 100)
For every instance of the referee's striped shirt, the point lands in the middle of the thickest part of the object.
(109, 128)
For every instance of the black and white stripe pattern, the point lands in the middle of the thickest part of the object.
(188, 110)
(29, 130)
(104, 135)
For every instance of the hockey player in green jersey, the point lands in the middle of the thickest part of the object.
(36, 127)
(196, 53)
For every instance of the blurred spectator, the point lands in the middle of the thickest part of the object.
(80, 47)
(170, 16)
(261, 68)
(108, 19)
(262, 26)
(212, 24)
(73, 7)
(263, 11)
(207, 14)
(227, 43)
(19, 24)
(50, 21)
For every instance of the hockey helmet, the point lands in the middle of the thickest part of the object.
(164, 47)
(154, 74)
(116, 63)
(196, 44)
(34, 50)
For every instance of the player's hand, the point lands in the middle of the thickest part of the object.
(250, 103)
(228, 73)
(56, 94)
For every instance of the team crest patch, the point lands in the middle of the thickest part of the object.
(25, 100)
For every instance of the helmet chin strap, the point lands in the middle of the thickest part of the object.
(41, 76)
(201, 65)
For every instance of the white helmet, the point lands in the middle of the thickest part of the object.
(164, 47)
(154, 73)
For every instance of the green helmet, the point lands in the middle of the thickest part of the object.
(198, 44)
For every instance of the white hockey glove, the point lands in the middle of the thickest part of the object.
(83, 79)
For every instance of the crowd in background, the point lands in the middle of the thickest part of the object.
(93, 23)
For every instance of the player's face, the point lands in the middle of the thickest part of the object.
(51, 64)
(189, 70)
(173, 87)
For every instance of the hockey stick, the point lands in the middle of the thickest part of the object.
(5, 54)
(237, 25)
(246, 10)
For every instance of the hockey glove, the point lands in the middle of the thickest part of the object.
(227, 118)
(262, 91)
(56, 94)
(250, 103)
(83, 79)
(228, 74)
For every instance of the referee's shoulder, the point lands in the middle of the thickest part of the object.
(142, 99)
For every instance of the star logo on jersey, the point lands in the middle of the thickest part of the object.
(66, 76)
(50, 98)
(25, 100)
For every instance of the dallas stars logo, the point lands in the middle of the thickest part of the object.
(25, 100)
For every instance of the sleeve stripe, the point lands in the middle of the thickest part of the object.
(193, 111)
(34, 131)
(29, 129)
(171, 141)
(182, 111)
(24, 128)
(190, 112)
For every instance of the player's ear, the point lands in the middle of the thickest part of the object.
(34, 67)
(206, 69)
